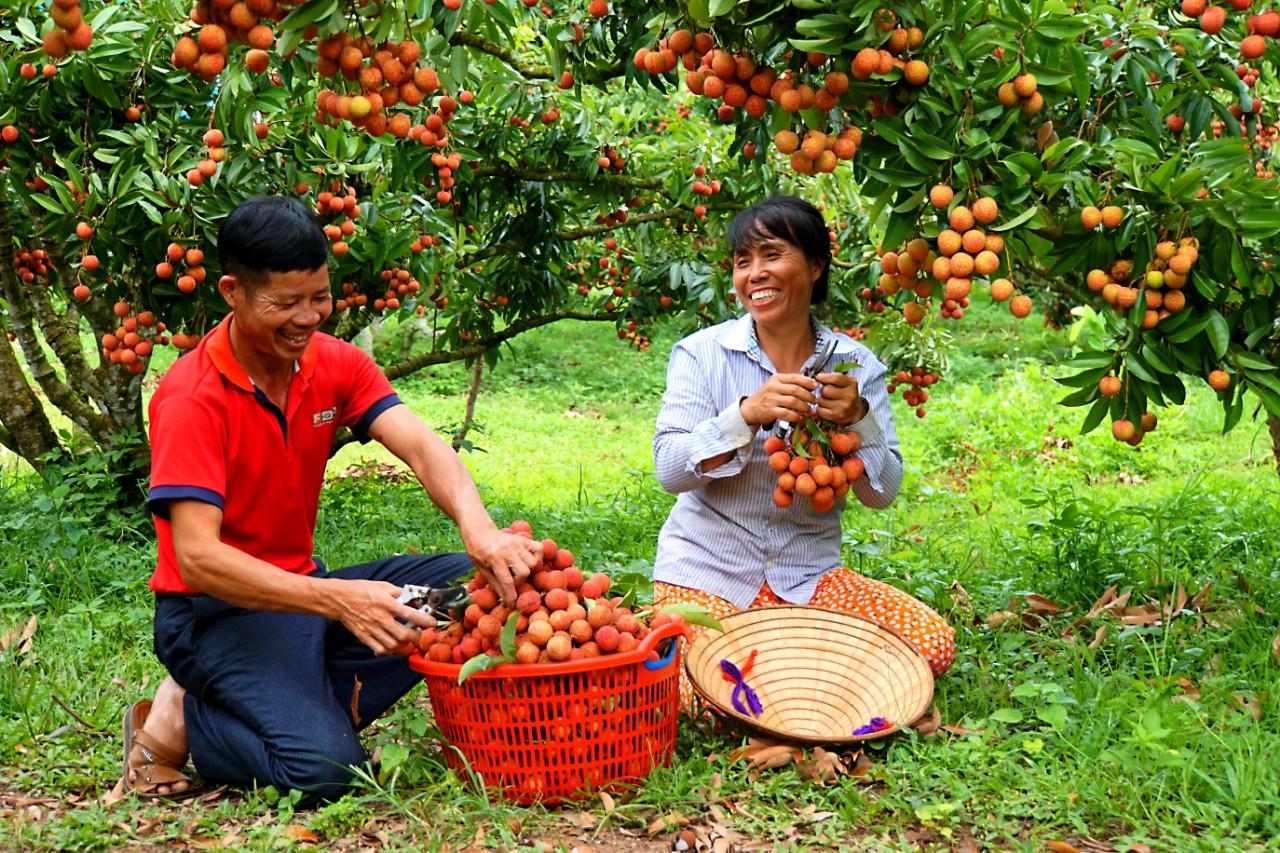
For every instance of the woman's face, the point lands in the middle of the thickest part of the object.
(774, 281)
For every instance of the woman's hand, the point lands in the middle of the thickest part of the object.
(840, 401)
(786, 397)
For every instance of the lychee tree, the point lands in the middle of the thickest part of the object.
(486, 168)
(482, 169)
(1115, 164)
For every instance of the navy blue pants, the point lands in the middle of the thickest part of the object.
(269, 695)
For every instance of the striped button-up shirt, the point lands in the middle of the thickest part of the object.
(725, 536)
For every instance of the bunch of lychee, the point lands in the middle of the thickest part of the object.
(445, 165)
(32, 264)
(387, 76)
(340, 206)
(215, 153)
(1130, 433)
(915, 384)
(560, 615)
(133, 340)
(1022, 92)
(194, 272)
(819, 466)
(70, 32)
(1161, 285)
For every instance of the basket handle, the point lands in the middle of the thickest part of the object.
(666, 632)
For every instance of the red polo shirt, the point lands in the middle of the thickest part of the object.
(217, 438)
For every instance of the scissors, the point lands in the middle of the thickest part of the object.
(818, 362)
(431, 600)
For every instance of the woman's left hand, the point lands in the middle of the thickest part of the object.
(840, 401)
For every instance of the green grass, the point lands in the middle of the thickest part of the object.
(1141, 739)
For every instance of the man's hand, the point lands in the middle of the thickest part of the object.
(785, 396)
(840, 401)
(370, 610)
(504, 559)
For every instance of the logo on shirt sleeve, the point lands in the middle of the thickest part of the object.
(324, 417)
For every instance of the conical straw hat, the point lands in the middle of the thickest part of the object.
(819, 674)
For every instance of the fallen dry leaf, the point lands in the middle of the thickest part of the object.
(355, 703)
(607, 802)
(820, 766)
(1275, 648)
(1060, 847)
(115, 795)
(668, 821)
(1249, 705)
(1141, 615)
(1040, 605)
(929, 722)
(582, 820)
(301, 834)
(1108, 596)
(995, 620)
(1098, 636)
(862, 767)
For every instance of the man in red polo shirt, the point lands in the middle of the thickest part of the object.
(274, 662)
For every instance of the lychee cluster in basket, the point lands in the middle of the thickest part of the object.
(560, 614)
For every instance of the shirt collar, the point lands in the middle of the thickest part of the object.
(218, 346)
(741, 336)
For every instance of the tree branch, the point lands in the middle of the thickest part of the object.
(565, 175)
(478, 348)
(525, 69)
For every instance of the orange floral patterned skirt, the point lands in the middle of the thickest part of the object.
(838, 589)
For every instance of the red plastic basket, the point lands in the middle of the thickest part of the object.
(557, 732)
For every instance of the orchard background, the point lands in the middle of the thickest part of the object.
(484, 168)
(1090, 183)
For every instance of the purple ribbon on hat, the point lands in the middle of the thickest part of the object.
(741, 689)
(877, 724)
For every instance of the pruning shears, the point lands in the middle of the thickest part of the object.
(815, 367)
(431, 600)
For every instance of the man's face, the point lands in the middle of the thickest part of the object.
(277, 319)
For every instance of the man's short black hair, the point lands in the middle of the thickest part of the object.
(270, 233)
(788, 218)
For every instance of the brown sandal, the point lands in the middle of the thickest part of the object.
(159, 764)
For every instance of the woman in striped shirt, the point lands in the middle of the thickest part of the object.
(726, 545)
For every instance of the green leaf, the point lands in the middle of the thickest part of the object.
(694, 614)
(479, 663)
(507, 641)
(1095, 416)
(1006, 715)
(720, 7)
(308, 13)
(1219, 334)
(1079, 72)
(1055, 715)
(1139, 368)
(1254, 362)
(1017, 220)
(1091, 359)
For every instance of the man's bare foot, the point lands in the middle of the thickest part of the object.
(166, 725)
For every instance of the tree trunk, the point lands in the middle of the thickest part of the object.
(469, 418)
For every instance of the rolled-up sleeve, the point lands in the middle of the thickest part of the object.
(880, 453)
(690, 429)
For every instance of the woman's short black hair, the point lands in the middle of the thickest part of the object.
(788, 218)
(270, 233)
